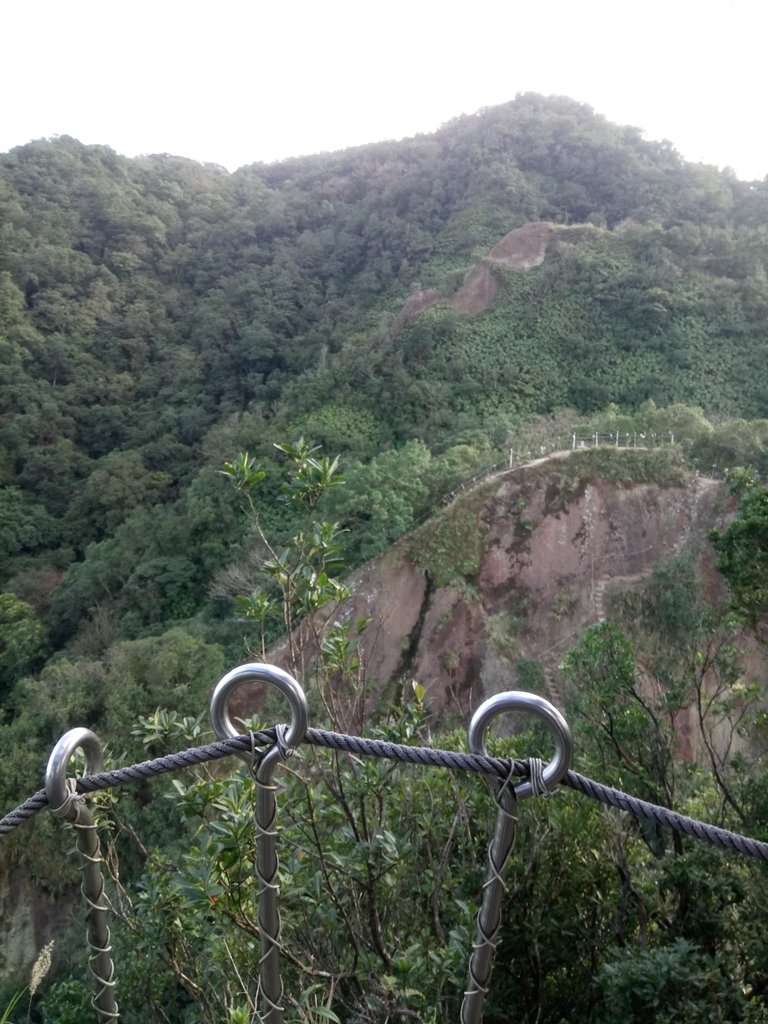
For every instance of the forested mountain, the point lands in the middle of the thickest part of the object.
(158, 316)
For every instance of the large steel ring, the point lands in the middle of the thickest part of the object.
(257, 673)
(56, 772)
(517, 700)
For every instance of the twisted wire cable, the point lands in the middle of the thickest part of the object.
(666, 818)
(494, 767)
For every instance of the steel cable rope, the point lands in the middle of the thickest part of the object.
(494, 767)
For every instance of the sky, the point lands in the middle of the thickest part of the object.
(232, 83)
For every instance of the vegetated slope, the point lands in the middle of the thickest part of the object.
(157, 315)
(607, 316)
(512, 566)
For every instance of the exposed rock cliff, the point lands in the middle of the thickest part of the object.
(506, 578)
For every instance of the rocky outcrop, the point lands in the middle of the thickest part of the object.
(555, 547)
(25, 911)
(524, 247)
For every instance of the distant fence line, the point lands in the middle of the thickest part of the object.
(623, 439)
(520, 456)
(575, 440)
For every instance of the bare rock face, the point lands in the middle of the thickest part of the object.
(524, 247)
(549, 556)
(478, 290)
(392, 591)
(521, 249)
(450, 656)
(25, 912)
(554, 549)
(491, 593)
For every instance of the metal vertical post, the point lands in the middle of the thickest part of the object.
(489, 915)
(66, 803)
(263, 765)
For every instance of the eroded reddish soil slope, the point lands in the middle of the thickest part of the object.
(524, 247)
(521, 249)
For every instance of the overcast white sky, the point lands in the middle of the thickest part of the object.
(233, 83)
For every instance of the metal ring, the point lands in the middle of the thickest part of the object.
(285, 683)
(56, 772)
(517, 700)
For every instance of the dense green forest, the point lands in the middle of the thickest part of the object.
(158, 316)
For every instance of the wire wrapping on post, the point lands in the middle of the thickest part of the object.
(500, 847)
(489, 915)
(267, 867)
(262, 766)
(67, 804)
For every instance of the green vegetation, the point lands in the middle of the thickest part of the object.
(607, 918)
(450, 546)
(663, 466)
(643, 920)
(743, 549)
(156, 318)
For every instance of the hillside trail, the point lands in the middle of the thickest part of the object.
(549, 659)
(563, 453)
(550, 667)
(497, 473)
